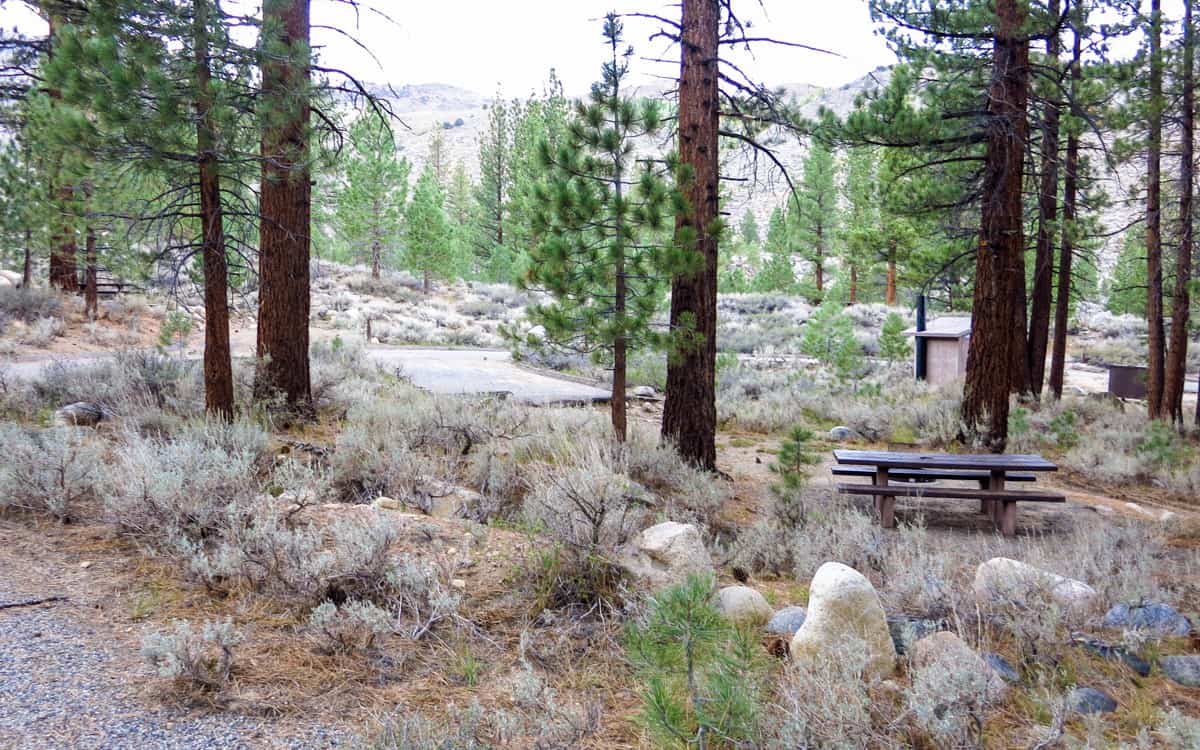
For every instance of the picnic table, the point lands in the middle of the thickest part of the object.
(915, 472)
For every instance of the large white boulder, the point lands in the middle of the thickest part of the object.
(666, 554)
(12, 277)
(845, 623)
(742, 604)
(1004, 580)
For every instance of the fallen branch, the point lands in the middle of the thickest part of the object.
(32, 602)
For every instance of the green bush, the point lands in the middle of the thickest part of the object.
(829, 338)
(892, 343)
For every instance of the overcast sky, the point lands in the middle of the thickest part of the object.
(484, 45)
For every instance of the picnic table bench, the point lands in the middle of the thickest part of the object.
(914, 471)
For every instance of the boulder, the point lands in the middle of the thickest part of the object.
(383, 502)
(1155, 619)
(845, 621)
(1184, 670)
(645, 391)
(665, 555)
(1001, 666)
(79, 414)
(742, 604)
(842, 434)
(787, 621)
(1086, 700)
(1002, 579)
(905, 629)
(946, 651)
(12, 277)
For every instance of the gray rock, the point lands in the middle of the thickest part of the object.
(1003, 580)
(787, 621)
(1000, 666)
(79, 414)
(1182, 669)
(844, 617)
(666, 554)
(1155, 618)
(944, 652)
(1086, 700)
(1115, 653)
(645, 391)
(843, 434)
(909, 630)
(743, 604)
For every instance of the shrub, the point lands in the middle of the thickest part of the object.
(829, 338)
(175, 328)
(30, 304)
(347, 628)
(201, 661)
(43, 331)
(702, 676)
(48, 471)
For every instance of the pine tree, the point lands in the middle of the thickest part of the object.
(1176, 363)
(816, 213)
(493, 260)
(690, 411)
(602, 216)
(461, 220)
(284, 244)
(863, 231)
(371, 202)
(426, 233)
(777, 274)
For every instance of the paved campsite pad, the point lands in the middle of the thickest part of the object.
(449, 371)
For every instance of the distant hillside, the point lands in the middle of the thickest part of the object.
(461, 115)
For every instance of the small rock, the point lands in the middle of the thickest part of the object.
(85, 564)
(904, 629)
(742, 604)
(946, 651)
(79, 414)
(1155, 618)
(844, 614)
(787, 621)
(458, 583)
(842, 434)
(666, 554)
(383, 502)
(1002, 579)
(1086, 700)
(645, 391)
(1115, 653)
(1184, 670)
(1000, 666)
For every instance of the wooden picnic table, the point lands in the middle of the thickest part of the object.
(990, 470)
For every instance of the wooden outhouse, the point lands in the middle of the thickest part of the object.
(945, 341)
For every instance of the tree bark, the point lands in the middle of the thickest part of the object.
(63, 247)
(218, 365)
(690, 411)
(853, 299)
(376, 251)
(989, 375)
(91, 301)
(27, 266)
(1043, 265)
(284, 240)
(890, 294)
(1176, 365)
(1062, 302)
(1154, 279)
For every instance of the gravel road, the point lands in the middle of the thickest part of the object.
(63, 685)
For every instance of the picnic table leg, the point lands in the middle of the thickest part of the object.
(1008, 518)
(995, 482)
(985, 506)
(884, 505)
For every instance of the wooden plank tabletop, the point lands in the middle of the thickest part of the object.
(985, 461)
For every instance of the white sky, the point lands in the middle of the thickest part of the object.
(490, 45)
(484, 45)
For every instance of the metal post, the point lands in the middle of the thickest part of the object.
(920, 340)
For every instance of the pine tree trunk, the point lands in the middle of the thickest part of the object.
(819, 272)
(1154, 278)
(375, 259)
(27, 266)
(63, 250)
(989, 375)
(1043, 265)
(425, 282)
(1062, 302)
(284, 241)
(91, 301)
(218, 365)
(690, 411)
(1176, 365)
(853, 284)
(890, 295)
